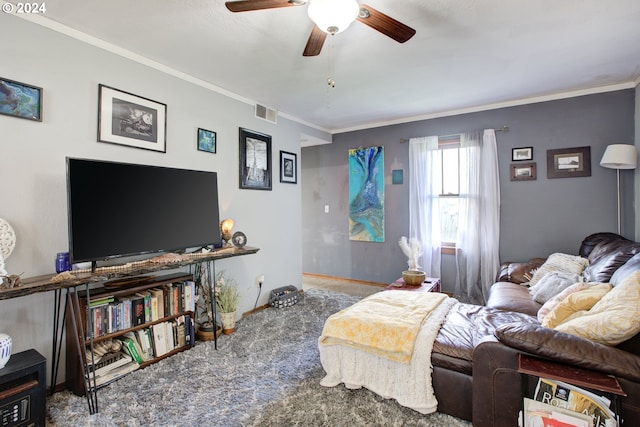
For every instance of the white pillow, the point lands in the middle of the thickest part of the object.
(562, 263)
(551, 284)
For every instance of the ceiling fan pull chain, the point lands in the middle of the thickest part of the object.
(330, 81)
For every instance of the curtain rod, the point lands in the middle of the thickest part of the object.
(502, 129)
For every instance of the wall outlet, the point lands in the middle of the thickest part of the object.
(326, 208)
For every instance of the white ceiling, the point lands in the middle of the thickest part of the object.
(467, 55)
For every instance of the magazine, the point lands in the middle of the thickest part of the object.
(538, 414)
(562, 395)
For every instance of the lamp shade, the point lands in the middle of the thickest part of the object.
(333, 16)
(620, 156)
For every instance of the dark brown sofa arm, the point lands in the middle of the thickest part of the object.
(518, 272)
(569, 349)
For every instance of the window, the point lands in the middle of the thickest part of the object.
(449, 159)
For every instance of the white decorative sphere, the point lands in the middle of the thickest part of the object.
(5, 349)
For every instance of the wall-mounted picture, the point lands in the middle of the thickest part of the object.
(569, 162)
(127, 119)
(20, 100)
(206, 140)
(523, 172)
(521, 154)
(255, 160)
(288, 167)
(366, 194)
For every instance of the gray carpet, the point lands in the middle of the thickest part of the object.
(266, 374)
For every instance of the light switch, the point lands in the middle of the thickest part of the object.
(326, 208)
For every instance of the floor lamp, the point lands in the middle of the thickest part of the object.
(619, 156)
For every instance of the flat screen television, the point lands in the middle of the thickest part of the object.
(122, 209)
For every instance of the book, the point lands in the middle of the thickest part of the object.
(129, 346)
(137, 310)
(159, 338)
(120, 359)
(145, 344)
(189, 295)
(126, 312)
(538, 414)
(116, 373)
(563, 395)
(157, 304)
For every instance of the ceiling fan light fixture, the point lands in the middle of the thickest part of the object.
(333, 16)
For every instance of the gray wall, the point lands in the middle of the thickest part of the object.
(32, 176)
(537, 217)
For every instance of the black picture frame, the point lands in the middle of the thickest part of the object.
(521, 154)
(255, 160)
(206, 140)
(20, 100)
(288, 167)
(569, 162)
(131, 120)
(523, 171)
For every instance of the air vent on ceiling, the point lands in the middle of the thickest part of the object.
(266, 113)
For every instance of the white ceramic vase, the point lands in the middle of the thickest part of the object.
(5, 349)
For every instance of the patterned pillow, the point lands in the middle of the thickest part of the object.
(574, 304)
(551, 284)
(613, 319)
(559, 262)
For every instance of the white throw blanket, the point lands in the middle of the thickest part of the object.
(408, 383)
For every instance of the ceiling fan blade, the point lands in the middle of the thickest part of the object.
(385, 24)
(315, 42)
(249, 5)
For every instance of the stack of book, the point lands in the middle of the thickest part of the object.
(559, 404)
(111, 367)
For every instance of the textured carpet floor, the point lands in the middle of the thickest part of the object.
(266, 374)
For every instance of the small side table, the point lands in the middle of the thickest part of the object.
(430, 284)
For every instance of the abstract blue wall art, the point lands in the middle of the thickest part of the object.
(366, 194)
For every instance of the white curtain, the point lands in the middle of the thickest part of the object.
(477, 243)
(424, 209)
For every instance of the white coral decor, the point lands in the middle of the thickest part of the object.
(412, 248)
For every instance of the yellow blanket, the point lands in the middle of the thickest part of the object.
(385, 323)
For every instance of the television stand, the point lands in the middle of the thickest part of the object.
(128, 281)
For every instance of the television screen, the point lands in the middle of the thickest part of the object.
(121, 209)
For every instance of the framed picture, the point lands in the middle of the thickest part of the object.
(569, 162)
(206, 140)
(255, 160)
(20, 100)
(523, 172)
(127, 119)
(521, 154)
(288, 167)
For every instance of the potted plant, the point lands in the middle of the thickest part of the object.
(412, 248)
(227, 300)
(205, 320)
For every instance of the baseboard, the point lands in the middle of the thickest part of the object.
(344, 279)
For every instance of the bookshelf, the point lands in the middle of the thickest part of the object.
(104, 321)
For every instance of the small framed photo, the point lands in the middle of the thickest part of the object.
(127, 119)
(206, 140)
(521, 154)
(523, 172)
(288, 167)
(255, 160)
(20, 100)
(569, 162)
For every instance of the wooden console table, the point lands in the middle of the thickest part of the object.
(44, 283)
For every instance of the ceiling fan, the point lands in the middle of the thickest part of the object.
(332, 17)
